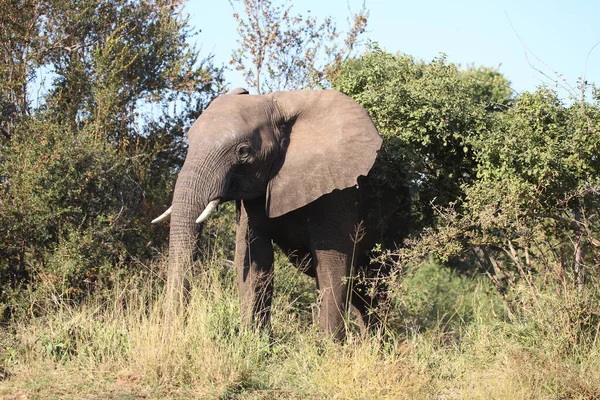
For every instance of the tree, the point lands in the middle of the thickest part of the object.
(117, 56)
(531, 214)
(22, 48)
(541, 161)
(505, 186)
(82, 174)
(426, 113)
(282, 51)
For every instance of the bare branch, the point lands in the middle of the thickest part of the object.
(280, 50)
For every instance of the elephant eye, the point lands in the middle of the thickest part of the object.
(244, 152)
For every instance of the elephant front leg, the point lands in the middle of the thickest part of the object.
(332, 270)
(254, 266)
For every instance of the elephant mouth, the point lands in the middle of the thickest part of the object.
(243, 187)
(246, 195)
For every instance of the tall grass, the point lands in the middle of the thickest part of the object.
(448, 337)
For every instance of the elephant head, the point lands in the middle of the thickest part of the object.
(290, 147)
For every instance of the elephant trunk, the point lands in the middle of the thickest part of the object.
(193, 197)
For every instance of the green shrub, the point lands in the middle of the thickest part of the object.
(426, 114)
(434, 296)
(70, 209)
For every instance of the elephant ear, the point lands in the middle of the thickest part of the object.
(327, 140)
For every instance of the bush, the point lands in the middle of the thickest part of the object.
(71, 207)
(435, 297)
(84, 172)
(426, 114)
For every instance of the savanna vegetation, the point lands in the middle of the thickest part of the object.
(494, 294)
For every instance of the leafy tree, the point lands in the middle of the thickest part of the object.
(532, 214)
(67, 194)
(82, 175)
(22, 50)
(502, 185)
(489, 87)
(118, 56)
(280, 50)
(426, 113)
(542, 162)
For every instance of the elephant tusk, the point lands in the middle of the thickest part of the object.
(162, 216)
(212, 206)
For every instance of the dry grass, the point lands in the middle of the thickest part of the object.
(114, 349)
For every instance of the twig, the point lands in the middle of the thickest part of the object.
(566, 85)
(513, 254)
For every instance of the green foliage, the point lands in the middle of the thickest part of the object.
(544, 145)
(525, 209)
(538, 183)
(434, 296)
(426, 113)
(507, 186)
(70, 209)
(489, 87)
(21, 53)
(116, 57)
(219, 235)
(541, 162)
(82, 174)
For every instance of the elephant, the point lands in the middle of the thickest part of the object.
(295, 163)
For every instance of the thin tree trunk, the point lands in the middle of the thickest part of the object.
(579, 265)
(499, 277)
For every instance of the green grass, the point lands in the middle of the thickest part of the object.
(447, 337)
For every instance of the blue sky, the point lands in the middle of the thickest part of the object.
(552, 36)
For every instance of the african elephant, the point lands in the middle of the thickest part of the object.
(291, 161)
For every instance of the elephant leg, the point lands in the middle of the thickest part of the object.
(254, 266)
(332, 270)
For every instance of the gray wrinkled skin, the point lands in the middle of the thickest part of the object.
(292, 162)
